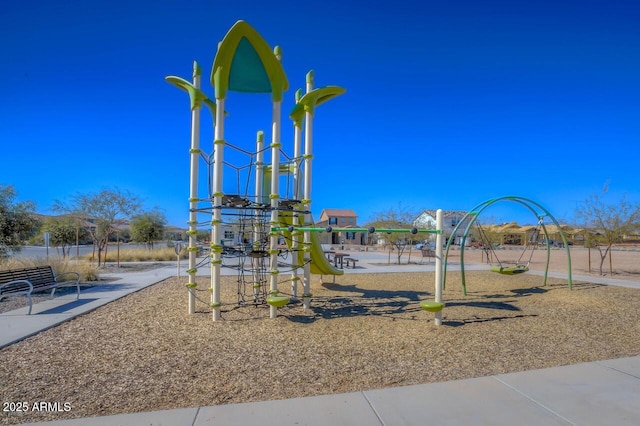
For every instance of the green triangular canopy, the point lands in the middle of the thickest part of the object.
(247, 73)
(246, 63)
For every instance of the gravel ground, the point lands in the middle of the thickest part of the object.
(144, 352)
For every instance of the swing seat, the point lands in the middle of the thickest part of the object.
(278, 301)
(431, 306)
(510, 270)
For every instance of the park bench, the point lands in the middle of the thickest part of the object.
(428, 253)
(25, 281)
(352, 261)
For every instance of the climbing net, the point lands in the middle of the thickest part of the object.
(246, 211)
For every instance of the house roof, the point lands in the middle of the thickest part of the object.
(445, 213)
(338, 213)
(507, 227)
(514, 228)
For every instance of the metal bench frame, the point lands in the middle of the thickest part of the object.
(25, 281)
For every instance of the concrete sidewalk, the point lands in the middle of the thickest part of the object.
(595, 393)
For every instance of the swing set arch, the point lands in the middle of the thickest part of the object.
(535, 208)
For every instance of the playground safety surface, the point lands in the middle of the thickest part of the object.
(365, 354)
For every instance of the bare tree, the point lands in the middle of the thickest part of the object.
(399, 218)
(104, 211)
(607, 224)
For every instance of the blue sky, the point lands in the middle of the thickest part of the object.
(448, 104)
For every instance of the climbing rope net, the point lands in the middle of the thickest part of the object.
(246, 226)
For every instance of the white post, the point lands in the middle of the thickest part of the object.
(308, 156)
(295, 235)
(259, 166)
(275, 197)
(178, 249)
(216, 221)
(258, 200)
(297, 152)
(439, 271)
(194, 153)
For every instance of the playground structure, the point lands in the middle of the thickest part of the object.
(271, 215)
(541, 214)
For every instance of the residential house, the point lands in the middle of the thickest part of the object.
(513, 234)
(510, 233)
(506, 233)
(451, 218)
(340, 218)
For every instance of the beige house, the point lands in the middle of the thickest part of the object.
(513, 234)
(340, 218)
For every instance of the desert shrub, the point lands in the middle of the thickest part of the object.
(160, 254)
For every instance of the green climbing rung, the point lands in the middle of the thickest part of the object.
(278, 301)
(432, 306)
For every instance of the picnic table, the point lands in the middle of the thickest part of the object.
(338, 259)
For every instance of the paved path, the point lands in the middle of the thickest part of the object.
(595, 393)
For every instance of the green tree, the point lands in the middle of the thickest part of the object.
(607, 223)
(399, 218)
(174, 234)
(148, 227)
(64, 232)
(17, 222)
(203, 235)
(103, 211)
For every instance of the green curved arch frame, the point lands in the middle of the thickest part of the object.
(316, 97)
(245, 63)
(196, 96)
(473, 214)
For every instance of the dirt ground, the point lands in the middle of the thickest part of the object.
(366, 331)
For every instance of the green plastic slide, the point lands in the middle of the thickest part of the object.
(320, 265)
